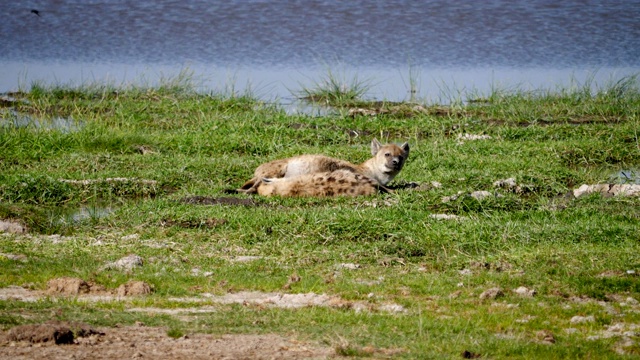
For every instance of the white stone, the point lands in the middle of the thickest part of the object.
(526, 292)
(480, 195)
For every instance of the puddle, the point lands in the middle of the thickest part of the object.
(13, 119)
(294, 106)
(77, 215)
(627, 176)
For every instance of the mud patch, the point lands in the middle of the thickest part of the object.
(583, 120)
(401, 110)
(53, 332)
(206, 200)
(67, 286)
(153, 343)
(193, 224)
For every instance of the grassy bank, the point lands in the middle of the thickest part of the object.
(147, 172)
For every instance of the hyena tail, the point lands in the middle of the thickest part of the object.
(250, 187)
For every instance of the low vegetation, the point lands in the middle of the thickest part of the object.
(482, 251)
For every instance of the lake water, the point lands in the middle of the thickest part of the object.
(276, 47)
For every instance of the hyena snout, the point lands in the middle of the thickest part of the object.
(396, 162)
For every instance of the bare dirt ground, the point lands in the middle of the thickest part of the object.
(65, 340)
(141, 342)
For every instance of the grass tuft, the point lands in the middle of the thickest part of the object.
(334, 90)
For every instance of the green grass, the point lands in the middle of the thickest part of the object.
(580, 255)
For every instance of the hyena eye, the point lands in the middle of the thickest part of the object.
(387, 154)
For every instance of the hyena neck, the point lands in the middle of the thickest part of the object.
(373, 170)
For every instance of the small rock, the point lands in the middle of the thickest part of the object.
(525, 292)
(545, 336)
(446, 217)
(582, 319)
(130, 237)
(480, 195)
(631, 301)
(570, 330)
(12, 227)
(245, 258)
(127, 263)
(144, 149)
(616, 328)
(467, 136)
(506, 183)
(491, 294)
(349, 266)
(465, 272)
(392, 308)
(452, 197)
(625, 189)
(608, 190)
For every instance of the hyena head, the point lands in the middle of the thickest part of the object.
(390, 158)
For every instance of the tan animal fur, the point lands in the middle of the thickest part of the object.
(386, 163)
(335, 183)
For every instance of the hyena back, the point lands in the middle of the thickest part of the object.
(334, 183)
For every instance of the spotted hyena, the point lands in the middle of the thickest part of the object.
(302, 173)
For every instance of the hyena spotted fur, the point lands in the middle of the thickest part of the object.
(319, 175)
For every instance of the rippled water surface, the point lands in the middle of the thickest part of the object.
(277, 44)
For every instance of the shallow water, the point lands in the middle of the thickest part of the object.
(74, 216)
(274, 47)
(626, 176)
(14, 119)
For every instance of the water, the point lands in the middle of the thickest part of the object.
(273, 47)
(626, 176)
(14, 119)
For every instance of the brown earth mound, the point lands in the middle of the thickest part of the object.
(72, 286)
(53, 332)
(134, 288)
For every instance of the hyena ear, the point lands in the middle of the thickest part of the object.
(375, 146)
(405, 147)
